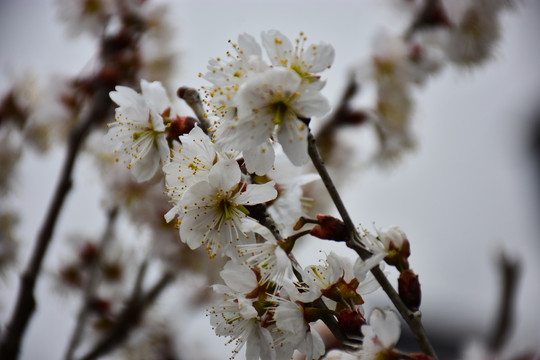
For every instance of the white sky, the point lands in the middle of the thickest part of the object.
(468, 191)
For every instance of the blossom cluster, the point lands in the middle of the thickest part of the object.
(220, 184)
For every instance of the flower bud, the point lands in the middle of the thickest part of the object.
(88, 253)
(71, 275)
(409, 289)
(112, 271)
(328, 227)
(397, 247)
(99, 306)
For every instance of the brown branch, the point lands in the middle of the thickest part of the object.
(90, 286)
(509, 272)
(413, 319)
(26, 303)
(130, 317)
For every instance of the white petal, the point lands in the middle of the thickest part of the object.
(239, 278)
(163, 148)
(289, 317)
(260, 159)
(311, 103)
(257, 194)
(246, 309)
(156, 95)
(144, 168)
(249, 45)
(189, 233)
(126, 97)
(313, 346)
(319, 57)
(386, 326)
(277, 46)
(292, 136)
(225, 174)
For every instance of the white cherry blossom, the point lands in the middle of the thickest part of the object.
(213, 211)
(236, 317)
(227, 74)
(305, 60)
(271, 260)
(297, 331)
(189, 164)
(269, 106)
(138, 134)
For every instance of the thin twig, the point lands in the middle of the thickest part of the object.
(90, 286)
(131, 315)
(413, 319)
(509, 272)
(193, 99)
(26, 303)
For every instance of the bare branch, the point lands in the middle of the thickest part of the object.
(192, 98)
(26, 303)
(509, 271)
(131, 315)
(90, 286)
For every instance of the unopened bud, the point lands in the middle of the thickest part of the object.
(71, 275)
(99, 306)
(330, 228)
(397, 247)
(112, 271)
(409, 289)
(88, 253)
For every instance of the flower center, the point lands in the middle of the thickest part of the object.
(280, 110)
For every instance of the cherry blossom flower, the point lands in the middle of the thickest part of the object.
(85, 15)
(189, 164)
(291, 319)
(476, 30)
(257, 104)
(214, 212)
(291, 203)
(268, 257)
(138, 134)
(236, 317)
(228, 74)
(269, 106)
(307, 61)
(339, 270)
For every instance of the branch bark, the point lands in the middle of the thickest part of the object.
(131, 315)
(509, 272)
(26, 303)
(413, 319)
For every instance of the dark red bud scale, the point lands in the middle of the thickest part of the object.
(350, 322)
(330, 228)
(409, 289)
(180, 125)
